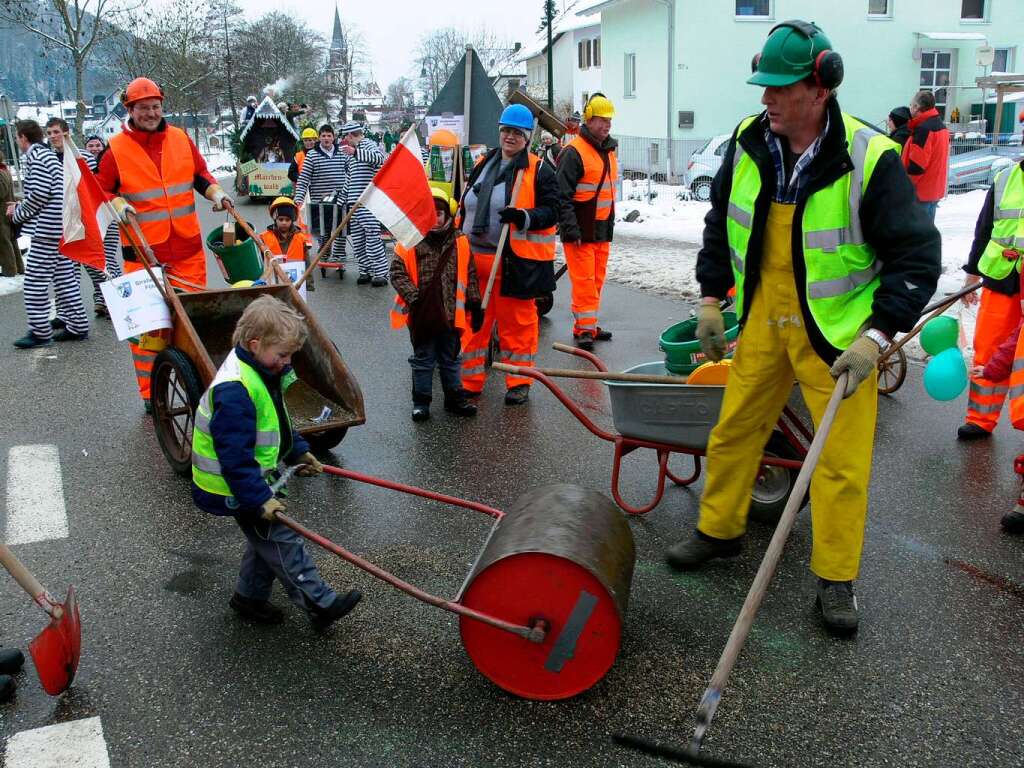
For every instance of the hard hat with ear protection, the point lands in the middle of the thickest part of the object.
(441, 196)
(796, 50)
(598, 105)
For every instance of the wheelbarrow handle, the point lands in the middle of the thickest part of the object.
(27, 581)
(264, 250)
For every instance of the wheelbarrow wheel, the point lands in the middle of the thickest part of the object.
(324, 441)
(544, 303)
(175, 396)
(773, 484)
(892, 372)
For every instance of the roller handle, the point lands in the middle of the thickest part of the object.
(26, 580)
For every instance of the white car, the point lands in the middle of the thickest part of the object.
(704, 164)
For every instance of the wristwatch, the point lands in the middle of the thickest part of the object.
(883, 341)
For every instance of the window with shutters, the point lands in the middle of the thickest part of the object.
(597, 51)
(586, 47)
(579, 55)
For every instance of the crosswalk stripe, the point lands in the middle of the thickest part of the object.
(35, 495)
(74, 744)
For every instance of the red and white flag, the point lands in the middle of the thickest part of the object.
(87, 215)
(399, 195)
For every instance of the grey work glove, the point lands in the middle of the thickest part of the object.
(711, 331)
(860, 359)
(270, 509)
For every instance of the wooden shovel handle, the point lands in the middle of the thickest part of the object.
(21, 574)
(264, 250)
(570, 373)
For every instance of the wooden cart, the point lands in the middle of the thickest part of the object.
(323, 403)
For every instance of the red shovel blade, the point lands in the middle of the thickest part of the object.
(57, 648)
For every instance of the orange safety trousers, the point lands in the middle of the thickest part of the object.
(998, 317)
(192, 269)
(518, 330)
(588, 264)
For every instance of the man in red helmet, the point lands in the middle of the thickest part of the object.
(151, 169)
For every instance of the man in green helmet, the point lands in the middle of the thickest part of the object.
(816, 224)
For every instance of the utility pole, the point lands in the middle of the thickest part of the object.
(227, 62)
(549, 12)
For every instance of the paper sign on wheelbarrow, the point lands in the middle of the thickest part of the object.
(135, 304)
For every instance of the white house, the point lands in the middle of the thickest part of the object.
(575, 59)
(677, 69)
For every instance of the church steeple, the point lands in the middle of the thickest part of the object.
(338, 37)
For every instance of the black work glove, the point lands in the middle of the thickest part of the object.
(476, 315)
(514, 216)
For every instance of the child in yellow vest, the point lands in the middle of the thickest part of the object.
(242, 431)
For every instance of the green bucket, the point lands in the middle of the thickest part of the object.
(241, 261)
(681, 348)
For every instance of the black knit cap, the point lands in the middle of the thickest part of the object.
(900, 116)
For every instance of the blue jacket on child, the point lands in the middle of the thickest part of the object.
(233, 428)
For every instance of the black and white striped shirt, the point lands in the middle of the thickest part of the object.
(322, 175)
(361, 168)
(40, 211)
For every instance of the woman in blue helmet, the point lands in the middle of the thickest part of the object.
(526, 269)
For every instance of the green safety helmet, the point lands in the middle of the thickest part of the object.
(793, 51)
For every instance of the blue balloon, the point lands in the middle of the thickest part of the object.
(945, 376)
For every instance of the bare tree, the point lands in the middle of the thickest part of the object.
(175, 45)
(72, 26)
(440, 50)
(292, 56)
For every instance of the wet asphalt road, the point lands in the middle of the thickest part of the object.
(933, 679)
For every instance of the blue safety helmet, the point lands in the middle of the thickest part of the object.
(517, 116)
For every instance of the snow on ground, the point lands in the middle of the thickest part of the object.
(658, 251)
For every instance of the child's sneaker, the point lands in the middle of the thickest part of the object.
(459, 405)
(1013, 521)
(322, 618)
(420, 412)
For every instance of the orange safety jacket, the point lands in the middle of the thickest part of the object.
(537, 245)
(595, 192)
(162, 197)
(296, 247)
(300, 158)
(400, 310)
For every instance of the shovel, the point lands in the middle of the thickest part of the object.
(57, 648)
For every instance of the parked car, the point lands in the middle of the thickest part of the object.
(704, 164)
(973, 163)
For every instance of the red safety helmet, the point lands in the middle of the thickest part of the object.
(141, 88)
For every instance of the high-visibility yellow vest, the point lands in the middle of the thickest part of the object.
(841, 267)
(206, 470)
(1007, 225)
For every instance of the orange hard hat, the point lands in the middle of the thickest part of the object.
(141, 88)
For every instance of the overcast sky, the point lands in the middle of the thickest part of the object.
(392, 28)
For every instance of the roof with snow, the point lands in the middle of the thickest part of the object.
(267, 109)
(568, 20)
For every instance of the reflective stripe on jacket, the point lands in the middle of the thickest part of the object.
(206, 469)
(588, 189)
(539, 244)
(400, 310)
(841, 267)
(163, 198)
(1007, 225)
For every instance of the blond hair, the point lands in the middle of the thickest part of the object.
(272, 322)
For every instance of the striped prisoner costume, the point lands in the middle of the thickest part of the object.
(322, 176)
(364, 228)
(40, 215)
